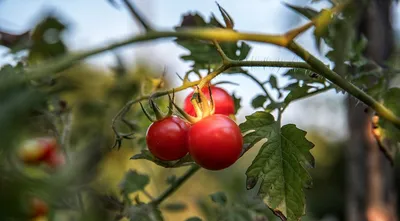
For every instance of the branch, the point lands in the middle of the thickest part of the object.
(176, 184)
(137, 16)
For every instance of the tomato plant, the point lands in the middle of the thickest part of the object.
(167, 138)
(223, 101)
(215, 142)
(36, 151)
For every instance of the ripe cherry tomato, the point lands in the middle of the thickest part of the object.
(38, 150)
(38, 208)
(224, 103)
(215, 142)
(167, 138)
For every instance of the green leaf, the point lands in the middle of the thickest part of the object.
(305, 75)
(175, 206)
(236, 101)
(203, 53)
(280, 164)
(306, 11)
(296, 92)
(144, 212)
(194, 218)
(171, 179)
(133, 182)
(219, 197)
(387, 134)
(259, 101)
(146, 155)
(273, 82)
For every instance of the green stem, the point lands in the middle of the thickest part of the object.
(324, 71)
(282, 64)
(171, 189)
(261, 86)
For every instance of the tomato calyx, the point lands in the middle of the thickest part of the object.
(159, 115)
(203, 106)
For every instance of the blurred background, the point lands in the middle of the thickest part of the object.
(93, 23)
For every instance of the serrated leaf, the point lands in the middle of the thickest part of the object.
(203, 53)
(236, 101)
(146, 155)
(306, 11)
(280, 164)
(134, 181)
(258, 101)
(219, 197)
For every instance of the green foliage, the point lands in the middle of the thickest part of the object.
(144, 212)
(236, 101)
(203, 54)
(219, 197)
(146, 155)
(133, 182)
(281, 164)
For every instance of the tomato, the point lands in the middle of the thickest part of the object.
(36, 151)
(215, 142)
(55, 159)
(224, 103)
(38, 208)
(167, 138)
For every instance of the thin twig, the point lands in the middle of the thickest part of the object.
(138, 16)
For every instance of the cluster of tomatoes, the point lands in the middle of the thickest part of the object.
(213, 139)
(37, 151)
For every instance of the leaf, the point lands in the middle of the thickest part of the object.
(171, 179)
(46, 40)
(203, 53)
(306, 11)
(194, 218)
(236, 101)
(305, 75)
(280, 164)
(133, 182)
(386, 133)
(146, 155)
(175, 207)
(144, 212)
(258, 101)
(219, 197)
(273, 82)
(296, 93)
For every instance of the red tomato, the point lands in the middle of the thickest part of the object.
(55, 159)
(215, 142)
(167, 138)
(38, 208)
(224, 103)
(36, 151)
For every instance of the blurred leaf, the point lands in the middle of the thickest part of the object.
(171, 179)
(175, 207)
(15, 42)
(322, 22)
(273, 82)
(280, 164)
(258, 101)
(133, 182)
(306, 11)
(203, 53)
(194, 218)
(305, 75)
(46, 40)
(296, 92)
(236, 101)
(144, 212)
(146, 155)
(386, 133)
(219, 197)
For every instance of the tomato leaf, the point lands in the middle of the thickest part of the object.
(203, 53)
(388, 135)
(133, 182)
(236, 101)
(146, 155)
(258, 101)
(219, 197)
(280, 164)
(304, 75)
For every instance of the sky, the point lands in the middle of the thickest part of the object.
(95, 23)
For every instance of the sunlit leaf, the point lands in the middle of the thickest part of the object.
(280, 164)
